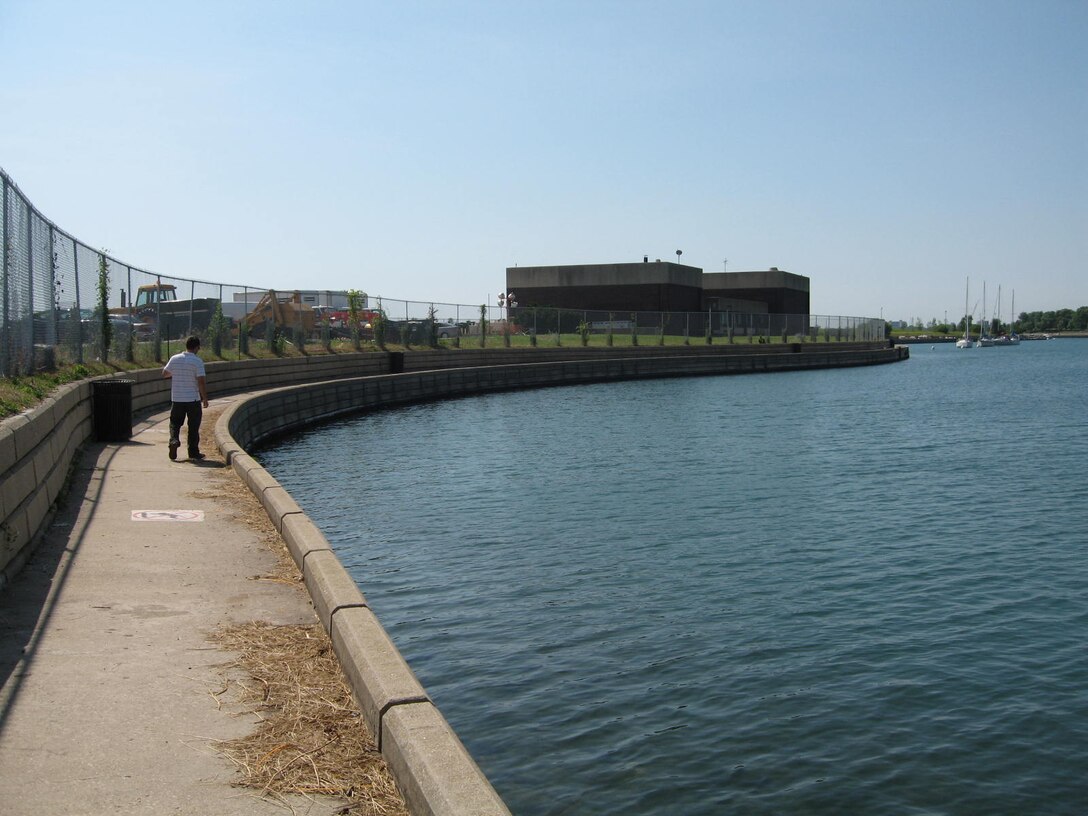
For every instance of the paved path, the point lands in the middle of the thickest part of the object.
(106, 705)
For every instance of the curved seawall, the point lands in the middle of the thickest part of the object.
(432, 767)
(436, 774)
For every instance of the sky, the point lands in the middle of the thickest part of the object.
(888, 150)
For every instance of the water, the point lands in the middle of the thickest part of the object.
(862, 590)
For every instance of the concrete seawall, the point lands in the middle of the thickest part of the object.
(434, 771)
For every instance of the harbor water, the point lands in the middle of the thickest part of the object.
(843, 591)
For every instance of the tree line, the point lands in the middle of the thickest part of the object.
(1058, 320)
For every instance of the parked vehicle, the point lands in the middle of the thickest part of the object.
(447, 330)
(158, 302)
(64, 321)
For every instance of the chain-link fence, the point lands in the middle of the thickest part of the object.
(66, 302)
(419, 323)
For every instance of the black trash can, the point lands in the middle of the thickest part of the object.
(112, 410)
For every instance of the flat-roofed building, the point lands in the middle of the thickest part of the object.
(657, 286)
(781, 292)
(651, 286)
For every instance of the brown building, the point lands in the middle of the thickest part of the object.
(658, 286)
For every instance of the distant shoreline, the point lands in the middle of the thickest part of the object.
(933, 339)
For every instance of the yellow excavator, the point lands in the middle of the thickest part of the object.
(285, 312)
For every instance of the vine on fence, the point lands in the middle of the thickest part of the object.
(104, 325)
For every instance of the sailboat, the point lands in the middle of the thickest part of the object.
(984, 339)
(965, 341)
(1012, 338)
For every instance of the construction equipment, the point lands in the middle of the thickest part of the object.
(157, 304)
(286, 313)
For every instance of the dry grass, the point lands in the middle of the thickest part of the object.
(310, 739)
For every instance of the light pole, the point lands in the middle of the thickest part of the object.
(506, 302)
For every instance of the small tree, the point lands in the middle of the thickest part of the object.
(483, 325)
(583, 332)
(355, 305)
(432, 327)
(634, 329)
(611, 320)
(218, 326)
(378, 323)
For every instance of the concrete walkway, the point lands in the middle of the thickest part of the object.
(106, 705)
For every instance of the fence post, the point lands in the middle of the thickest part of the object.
(54, 304)
(28, 342)
(79, 307)
(301, 335)
(158, 318)
(7, 250)
(270, 321)
(192, 294)
(130, 343)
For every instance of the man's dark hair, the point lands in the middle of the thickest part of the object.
(192, 344)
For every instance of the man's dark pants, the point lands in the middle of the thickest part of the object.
(190, 412)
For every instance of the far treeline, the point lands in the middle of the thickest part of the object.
(1060, 320)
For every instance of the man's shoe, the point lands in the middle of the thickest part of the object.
(174, 449)
(196, 457)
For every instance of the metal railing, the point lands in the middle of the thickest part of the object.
(53, 287)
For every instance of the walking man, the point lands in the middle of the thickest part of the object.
(188, 397)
